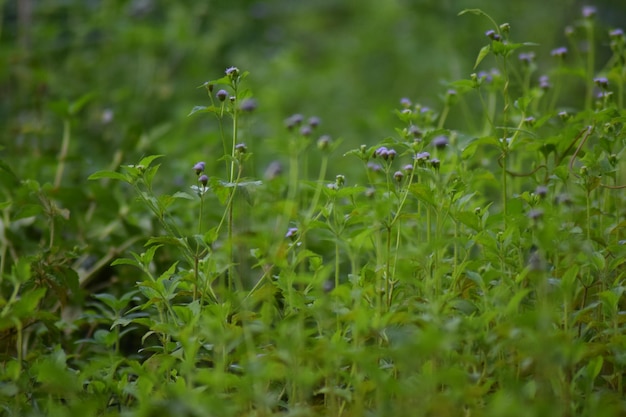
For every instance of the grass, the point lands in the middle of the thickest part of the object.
(475, 270)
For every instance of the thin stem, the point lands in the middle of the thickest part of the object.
(65, 145)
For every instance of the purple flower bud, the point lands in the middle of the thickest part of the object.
(408, 168)
(435, 163)
(248, 105)
(535, 214)
(602, 82)
(305, 130)
(372, 166)
(616, 34)
(199, 167)
(203, 179)
(293, 121)
(292, 233)
(588, 12)
(241, 148)
(560, 52)
(527, 57)
(405, 102)
(493, 35)
(398, 176)
(222, 95)
(391, 154)
(541, 191)
(415, 131)
(529, 121)
(314, 121)
(422, 157)
(440, 142)
(382, 152)
(323, 142)
(544, 82)
(232, 72)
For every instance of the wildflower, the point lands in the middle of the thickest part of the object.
(535, 214)
(203, 179)
(222, 95)
(293, 121)
(292, 233)
(527, 57)
(408, 168)
(314, 121)
(440, 142)
(232, 72)
(249, 105)
(415, 131)
(560, 52)
(493, 35)
(241, 148)
(382, 152)
(398, 176)
(199, 167)
(323, 142)
(529, 121)
(544, 82)
(588, 12)
(541, 191)
(435, 163)
(616, 34)
(305, 130)
(405, 102)
(374, 167)
(422, 157)
(602, 82)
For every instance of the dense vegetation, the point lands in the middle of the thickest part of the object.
(465, 257)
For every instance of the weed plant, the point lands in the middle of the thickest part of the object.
(474, 271)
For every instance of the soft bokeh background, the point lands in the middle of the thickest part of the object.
(348, 62)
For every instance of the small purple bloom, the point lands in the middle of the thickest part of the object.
(203, 179)
(541, 191)
(249, 105)
(407, 168)
(292, 233)
(241, 148)
(199, 167)
(493, 35)
(314, 121)
(527, 57)
(222, 95)
(535, 214)
(559, 52)
(544, 82)
(398, 176)
(589, 11)
(405, 102)
(306, 130)
(422, 157)
(435, 163)
(374, 167)
(440, 142)
(616, 33)
(232, 72)
(602, 82)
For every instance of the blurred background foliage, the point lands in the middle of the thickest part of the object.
(120, 78)
(348, 62)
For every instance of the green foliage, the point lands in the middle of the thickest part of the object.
(470, 262)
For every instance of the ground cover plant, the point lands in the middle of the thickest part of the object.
(470, 270)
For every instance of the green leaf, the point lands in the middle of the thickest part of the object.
(204, 109)
(484, 51)
(145, 162)
(109, 174)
